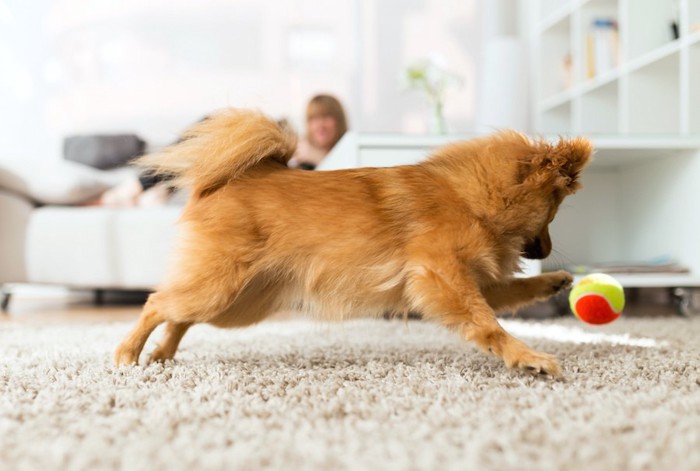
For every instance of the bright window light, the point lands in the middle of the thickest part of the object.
(559, 333)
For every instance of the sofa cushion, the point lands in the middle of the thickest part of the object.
(71, 246)
(144, 239)
(103, 151)
(53, 182)
(96, 247)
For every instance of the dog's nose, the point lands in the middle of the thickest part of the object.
(534, 250)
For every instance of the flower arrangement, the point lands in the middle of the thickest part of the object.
(430, 76)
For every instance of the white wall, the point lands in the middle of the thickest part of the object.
(587, 227)
(638, 212)
(503, 66)
(659, 209)
(155, 66)
(396, 33)
(23, 93)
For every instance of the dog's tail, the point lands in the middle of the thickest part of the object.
(220, 149)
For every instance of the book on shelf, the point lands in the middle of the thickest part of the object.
(602, 46)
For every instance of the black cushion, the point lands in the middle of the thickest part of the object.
(103, 151)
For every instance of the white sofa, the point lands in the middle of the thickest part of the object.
(45, 239)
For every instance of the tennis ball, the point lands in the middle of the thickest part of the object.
(597, 299)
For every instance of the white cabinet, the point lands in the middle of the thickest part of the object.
(641, 197)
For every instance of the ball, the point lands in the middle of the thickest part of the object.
(597, 299)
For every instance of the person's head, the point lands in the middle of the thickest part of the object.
(325, 121)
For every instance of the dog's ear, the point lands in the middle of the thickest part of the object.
(560, 164)
(577, 153)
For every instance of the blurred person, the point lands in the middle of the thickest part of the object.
(325, 125)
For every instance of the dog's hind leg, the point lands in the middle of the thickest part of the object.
(129, 350)
(238, 299)
(182, 301)
(174, 331)
(455, 301)
(181, 306)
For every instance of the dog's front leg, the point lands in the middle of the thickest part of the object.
(517, 292)
(443, 294)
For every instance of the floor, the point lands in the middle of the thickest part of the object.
(65, 308)
(60, 307)
(361, 395)
(50, 305)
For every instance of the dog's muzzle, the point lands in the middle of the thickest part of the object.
(534, 250)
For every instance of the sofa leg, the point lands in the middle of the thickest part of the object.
(5, 300)
(99, 297)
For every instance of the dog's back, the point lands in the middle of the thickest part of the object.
(329, 243)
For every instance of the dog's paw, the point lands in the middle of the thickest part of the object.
(556, 282)
(125, 356)
(160, 355)
(535, 362)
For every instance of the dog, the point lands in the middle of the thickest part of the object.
(443, 237)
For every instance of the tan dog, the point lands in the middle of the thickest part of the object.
(442, 237)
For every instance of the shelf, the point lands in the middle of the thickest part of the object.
(598, 82)
(579, 90)
(654, 143)
(599, 110)
(618, 151)
(654, 97)
(653, 280)
(610, 151)
(560, 15)
(648, 27)
(656, 55)
(693, 103)
(693, 16)
(396, 140)
(657, 63)
(643, 118)
(693, 38)
(557, 120)
(591, 85)
(557, 100)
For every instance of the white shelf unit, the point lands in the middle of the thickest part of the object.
(640, 198)
(694, 88)
(617, 101)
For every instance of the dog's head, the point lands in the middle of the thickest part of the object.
(515, 184)
(544, 176)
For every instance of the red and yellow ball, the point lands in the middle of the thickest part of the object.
(597, 299)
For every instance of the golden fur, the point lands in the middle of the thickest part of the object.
(442, 237)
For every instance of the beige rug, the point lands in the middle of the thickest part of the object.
(361, 395)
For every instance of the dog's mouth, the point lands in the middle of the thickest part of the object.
(535, 249)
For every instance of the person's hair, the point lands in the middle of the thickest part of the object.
(327, 105)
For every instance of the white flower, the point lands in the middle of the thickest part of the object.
(431, 76)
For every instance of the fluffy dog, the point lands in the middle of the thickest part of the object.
(442, 237)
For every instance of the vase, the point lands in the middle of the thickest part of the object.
(437, 119)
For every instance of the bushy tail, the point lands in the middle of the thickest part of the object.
(220, 149)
